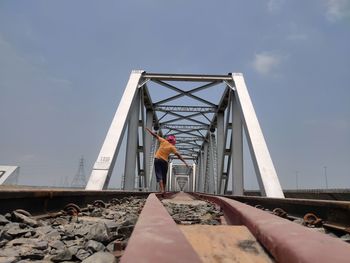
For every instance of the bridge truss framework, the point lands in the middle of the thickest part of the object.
(209, 134)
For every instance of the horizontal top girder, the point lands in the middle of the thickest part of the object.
(184, 126)
(186, 77)
(189, 138)
(174, 108)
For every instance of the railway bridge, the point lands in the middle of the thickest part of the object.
(208, 114)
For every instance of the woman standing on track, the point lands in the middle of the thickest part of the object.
(166, 147)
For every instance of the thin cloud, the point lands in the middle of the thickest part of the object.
(274, 5)
(265, 62)
(297, 37)
(295, 33)
(337, 10)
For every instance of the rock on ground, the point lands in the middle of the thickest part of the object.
(100, 257)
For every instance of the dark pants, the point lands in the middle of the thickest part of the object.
(161, 169)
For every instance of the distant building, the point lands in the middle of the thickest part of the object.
(9, 174)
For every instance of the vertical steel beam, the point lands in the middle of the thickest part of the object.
(221, 140)
(264, 168)
(194, 175)
(236, 149)
(170, 180)
(227, 169)
(153, 181)
(212, 159)
(131, 145)
(203, 171)
(205, 167)
(104, 164)
(147, 146)
(190, 181)
(176, 186)
(167, 178)
(226, 161)
(142, 175)
(199, 170)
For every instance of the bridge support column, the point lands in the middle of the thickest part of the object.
(212, 162)
(220, 136)
(206, 167)
(201, 173)
(131, 146)
(147, 148)
(236, 149)
(170, 179)
(194, 177)
(198, 170)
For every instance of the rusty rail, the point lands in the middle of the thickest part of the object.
(332, 212)
(286, 241)
(156, 238)
(48, 201)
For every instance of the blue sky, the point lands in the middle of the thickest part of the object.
(64, 65)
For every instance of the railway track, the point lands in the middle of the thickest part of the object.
(110, 226)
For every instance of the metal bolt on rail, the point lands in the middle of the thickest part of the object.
(311, 220)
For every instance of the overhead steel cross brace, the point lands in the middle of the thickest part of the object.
(186, 93)
(180, 117)
(187, 132)
(173, 108)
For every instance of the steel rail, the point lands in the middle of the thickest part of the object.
(332, 212)
(156, 238)
(42, 201)
(320, 194)
(286, 241)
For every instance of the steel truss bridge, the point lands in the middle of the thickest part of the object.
(207, 113)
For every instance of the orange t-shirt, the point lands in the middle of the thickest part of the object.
(165, 148)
